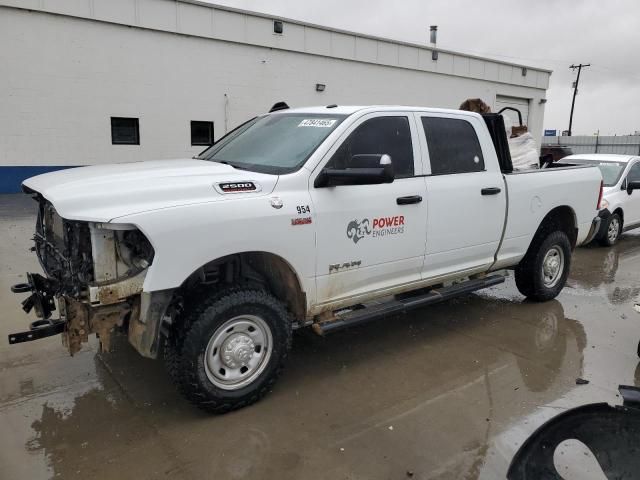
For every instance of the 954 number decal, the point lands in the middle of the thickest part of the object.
(303, 209)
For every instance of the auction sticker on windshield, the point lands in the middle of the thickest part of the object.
(317, 122)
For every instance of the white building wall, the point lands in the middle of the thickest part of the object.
(62, 77)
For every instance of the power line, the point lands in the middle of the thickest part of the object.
(575, 90)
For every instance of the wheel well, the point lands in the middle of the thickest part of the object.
(263, 270)
(560, 218)
(619, 212)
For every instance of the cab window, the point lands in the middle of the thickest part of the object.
(379, 136)
(453, 146)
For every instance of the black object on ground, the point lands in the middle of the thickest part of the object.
(612, 433)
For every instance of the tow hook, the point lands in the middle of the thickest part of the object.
(42, 299)
(21, 288)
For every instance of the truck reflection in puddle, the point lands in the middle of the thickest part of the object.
(478, 366)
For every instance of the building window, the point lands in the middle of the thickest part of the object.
(125, 131)
(453, 146)
(278, 27)
(201, 133)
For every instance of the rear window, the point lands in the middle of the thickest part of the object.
(610, 171)
(453, 146)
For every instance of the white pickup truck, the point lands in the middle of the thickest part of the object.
(318, 217)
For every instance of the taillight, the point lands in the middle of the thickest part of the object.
(598, 206)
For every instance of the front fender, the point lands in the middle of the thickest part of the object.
(187, 237)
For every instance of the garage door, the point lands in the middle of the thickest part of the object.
(521, 104)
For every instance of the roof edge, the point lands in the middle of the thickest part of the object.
(358, 34)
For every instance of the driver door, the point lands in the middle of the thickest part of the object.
(371, 237)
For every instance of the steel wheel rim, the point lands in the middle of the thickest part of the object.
(552, 266)
(612, 231)
(238, 352)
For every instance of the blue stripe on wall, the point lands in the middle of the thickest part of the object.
(12, 177)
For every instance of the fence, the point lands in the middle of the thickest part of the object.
(623, 144)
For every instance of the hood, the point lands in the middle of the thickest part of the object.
(103, 192)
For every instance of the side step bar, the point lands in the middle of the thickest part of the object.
(402, 305)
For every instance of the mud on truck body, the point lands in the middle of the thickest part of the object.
(323, 217)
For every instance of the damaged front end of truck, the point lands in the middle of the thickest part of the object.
(94, 275)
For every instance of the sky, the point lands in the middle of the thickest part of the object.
(552, 34)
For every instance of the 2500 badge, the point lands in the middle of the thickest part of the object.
(237, 187)
(380, 227)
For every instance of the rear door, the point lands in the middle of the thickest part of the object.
(466, 195)
(371, 237)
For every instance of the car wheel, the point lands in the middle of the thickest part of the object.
(543, 271)
(233, 349)
(612, 231)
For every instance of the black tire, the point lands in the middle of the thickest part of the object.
(202, 320)
(530, 278)
(607, 240)
(172, 345)
(171, 356)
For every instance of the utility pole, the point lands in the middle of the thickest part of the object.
(575, 91)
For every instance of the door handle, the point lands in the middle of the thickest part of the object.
(490, 191)
(408, 200)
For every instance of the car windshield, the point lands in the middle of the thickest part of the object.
(611, 171)
(276, 143)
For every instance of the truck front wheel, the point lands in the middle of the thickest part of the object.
(543, 271)
(233, 350)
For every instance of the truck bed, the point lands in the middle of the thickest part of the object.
(534, 193)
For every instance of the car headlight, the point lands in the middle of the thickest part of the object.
(604, 204)
(119, 250)
(134, 249)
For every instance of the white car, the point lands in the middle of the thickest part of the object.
(320, 217)
(620, 205)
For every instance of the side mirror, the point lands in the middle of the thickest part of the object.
(362, 170)
(631, 186)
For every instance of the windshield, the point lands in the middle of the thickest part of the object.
(611, 171)
(276, 143)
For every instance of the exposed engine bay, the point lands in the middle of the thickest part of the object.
(94, 278)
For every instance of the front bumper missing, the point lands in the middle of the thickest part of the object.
(77, 319)
(109, 306)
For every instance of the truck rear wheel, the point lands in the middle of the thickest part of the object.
(543, 271)
(233, 349)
